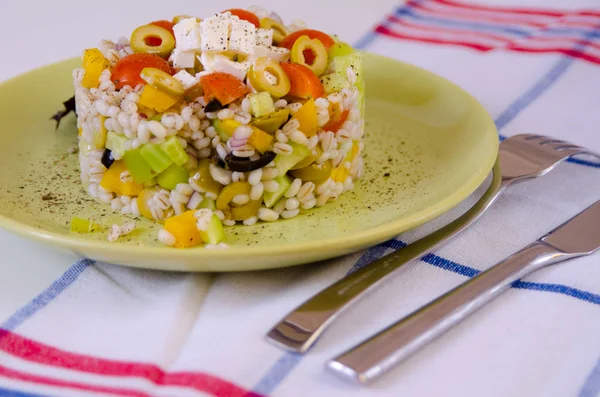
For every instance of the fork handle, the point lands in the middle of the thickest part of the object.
(375, 356)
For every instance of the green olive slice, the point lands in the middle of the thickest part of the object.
(153, 39)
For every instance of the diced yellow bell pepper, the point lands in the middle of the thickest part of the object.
(340, 174)
(94, 63)
(100, 135)
(80, 225)
(307, 117)
(183, 228)
(226, 128)
(80, 131)
(260, 140)
(112, 181)
(156, 99)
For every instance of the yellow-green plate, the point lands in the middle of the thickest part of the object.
(428, 146)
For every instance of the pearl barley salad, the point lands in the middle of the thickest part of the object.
(199, 124)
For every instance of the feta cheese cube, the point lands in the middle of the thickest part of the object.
(214, 32)
(187, 34)
(242, 38)
(186, 79)
(279, 54)
(220, 63)
(264, 37)
(183, 59)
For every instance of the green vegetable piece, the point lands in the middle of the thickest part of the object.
(215, 232)
(225, 128)
(271, 123)
(208, 204)
(340, 49)
(116, 142)
(138, 167)
(80, 225)
(261, 104)
(172, 176)
(334, 82)
(155, 157)
(354, 61)
(271, 198)
(285, 162)
(175, 151)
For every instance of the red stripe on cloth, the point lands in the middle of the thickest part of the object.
(570, 52)
(388, 32)
(457, 31)
(43, 380)
(39, 353)
(461, 13)
(524, 11)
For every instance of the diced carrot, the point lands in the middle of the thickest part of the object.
(225, 87)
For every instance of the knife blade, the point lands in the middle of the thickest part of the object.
(579, 236)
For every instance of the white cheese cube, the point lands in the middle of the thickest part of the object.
(279, 54)
(220, 63)
(264, 37)
(186, 79)
(187, 34)
(183, 59)
(242, 38)
(214, 32)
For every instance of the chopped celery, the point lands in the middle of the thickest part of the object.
(215, 232)
(172, 176)
(354, 61)
(138, 167)
(271, 198)
(79, 225)
(175, 151)
(334, 82)
(208, 204)
(116, 142)
(340, 49)
(285, 162)
(261, 104)
(155, 157)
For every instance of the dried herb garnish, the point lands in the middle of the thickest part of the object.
(69, 105)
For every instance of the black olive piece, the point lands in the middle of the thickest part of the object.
(69, 105)
(241, 164)
(107, 158)
(213, 106)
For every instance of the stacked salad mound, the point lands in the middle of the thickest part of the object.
(203, 123)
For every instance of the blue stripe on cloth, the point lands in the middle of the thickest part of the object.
(288, 361)
(14, 393)
(47, 295)
(517, 32)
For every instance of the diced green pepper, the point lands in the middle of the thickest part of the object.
(215, 232)
(116, 142)
(175, 151)
(172, 176)
(285, 162)
(155, 157)
(271, 198)
(138, 167)
(208, 204)
(261, 104)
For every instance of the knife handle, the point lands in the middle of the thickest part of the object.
(375, 356)
(300, 329)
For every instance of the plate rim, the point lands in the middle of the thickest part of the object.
(369, 237)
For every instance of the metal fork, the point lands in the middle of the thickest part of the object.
(521, 157)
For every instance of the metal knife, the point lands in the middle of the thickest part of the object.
(580, 236)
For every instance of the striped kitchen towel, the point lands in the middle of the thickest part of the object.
(106, 330)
